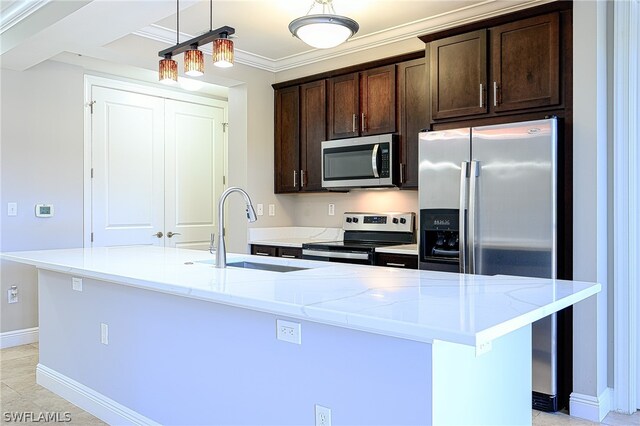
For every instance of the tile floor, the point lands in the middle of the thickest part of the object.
(19, 393)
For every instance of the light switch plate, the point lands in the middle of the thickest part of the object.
(260, 210)
(272, 209)
(76, 283)
(12, 209)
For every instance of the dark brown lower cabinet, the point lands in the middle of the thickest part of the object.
(407, 261)
(273, 251)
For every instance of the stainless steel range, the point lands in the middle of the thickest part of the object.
(363, 232)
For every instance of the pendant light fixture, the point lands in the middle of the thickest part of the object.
(193, 57)
(324, 30)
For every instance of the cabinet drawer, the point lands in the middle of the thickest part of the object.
(406, 261)
(263, 250)
(290, 252)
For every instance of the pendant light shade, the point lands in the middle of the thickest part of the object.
(324, 30)
(193, 62)
(168, 70)
(223, 52)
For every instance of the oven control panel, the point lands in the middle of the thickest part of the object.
(382, 222)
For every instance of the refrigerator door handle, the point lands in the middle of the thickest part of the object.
(462, 237)
(473, 176)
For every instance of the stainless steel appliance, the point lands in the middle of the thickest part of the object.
(365, 162)
(488, 206)
(363, 232)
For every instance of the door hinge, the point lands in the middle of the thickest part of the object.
(92, 237)
(224, 127)
(90, 104)
(224, 180)
(91, 173)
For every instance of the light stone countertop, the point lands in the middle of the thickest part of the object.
(418, 305)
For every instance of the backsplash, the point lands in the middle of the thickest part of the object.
(312, 209)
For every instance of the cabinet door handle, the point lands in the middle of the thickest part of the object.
(401, 172)
(481, 97)
(353, 123)
(400, 265)
(290, 256)
(261, 253)
(295, 178)
(158, 234)
(363, 124)
(495, 93)
(302, 182)
(171, 234)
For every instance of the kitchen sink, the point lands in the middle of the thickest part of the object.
(265, 266)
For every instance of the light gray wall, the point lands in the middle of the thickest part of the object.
(590, 195)
(174, 351)
(41, 162)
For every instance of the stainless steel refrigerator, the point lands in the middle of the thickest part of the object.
(487, 200)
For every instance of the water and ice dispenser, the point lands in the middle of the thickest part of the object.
(439, 239)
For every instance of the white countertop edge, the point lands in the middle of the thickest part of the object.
(382, 326)
(509, 326)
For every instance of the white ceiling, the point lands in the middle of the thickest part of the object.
(33, 31)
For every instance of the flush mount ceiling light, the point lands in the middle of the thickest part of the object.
(193, 57)
(324, 30)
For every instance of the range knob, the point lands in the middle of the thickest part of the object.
(403, 220)
(395, 220)
(355, 220)
(349, 220)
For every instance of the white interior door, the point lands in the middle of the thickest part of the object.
(127, 134)
(194, 142)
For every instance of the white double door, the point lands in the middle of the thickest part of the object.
(157, 167)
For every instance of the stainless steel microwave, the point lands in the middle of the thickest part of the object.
(365, 162)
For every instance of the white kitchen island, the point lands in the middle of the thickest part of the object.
(189, 344)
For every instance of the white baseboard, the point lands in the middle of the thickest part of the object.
(9, 339)
(589, 407)
(89, 400)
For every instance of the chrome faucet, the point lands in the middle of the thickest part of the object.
(221, 252)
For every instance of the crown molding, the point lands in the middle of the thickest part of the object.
(17, 11)
(465, 15)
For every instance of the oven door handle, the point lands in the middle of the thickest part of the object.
(335, 254)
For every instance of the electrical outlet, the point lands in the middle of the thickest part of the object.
(260, 210)
(76, 283)
(332, 209)
(12, 294)
(272, 209)
(104, 334)
(288, 331)
(323, 415)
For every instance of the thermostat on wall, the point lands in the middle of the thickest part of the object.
(44, 210)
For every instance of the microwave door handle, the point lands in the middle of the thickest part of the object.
(374, 160)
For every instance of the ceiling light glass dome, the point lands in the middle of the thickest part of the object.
(324, 30)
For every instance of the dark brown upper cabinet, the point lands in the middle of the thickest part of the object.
(313, 130)
(413, 110)
(523, 61)
(459, 75)
(300, 128)
(525, 68)
(287, 139)
(363, 103)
